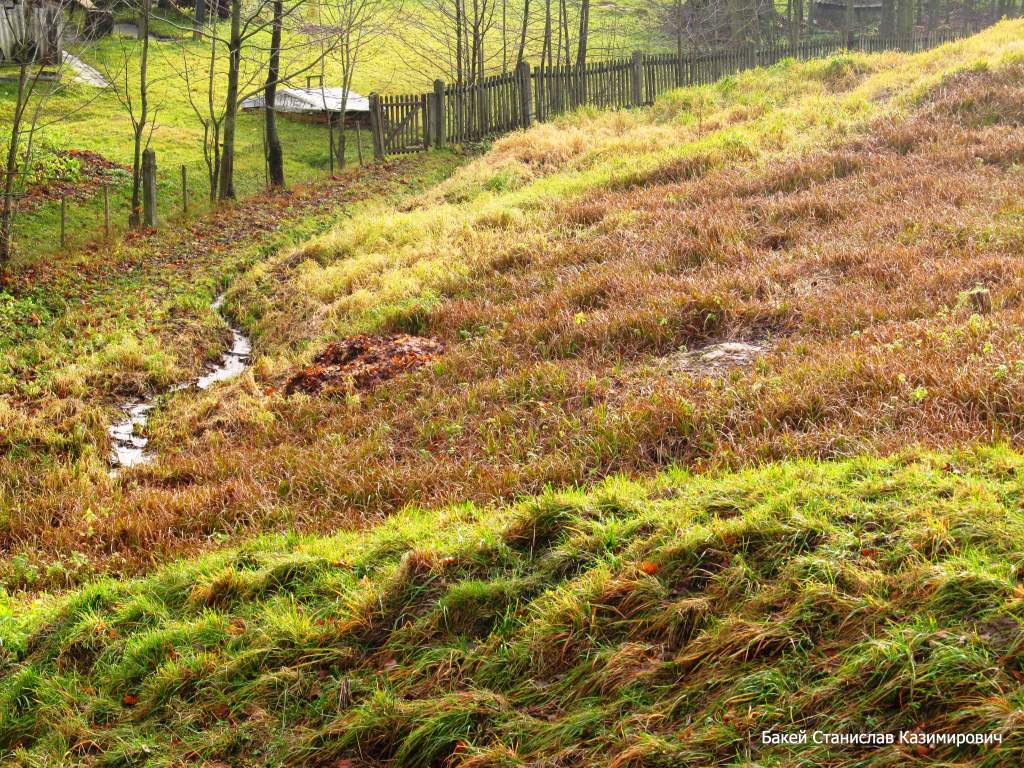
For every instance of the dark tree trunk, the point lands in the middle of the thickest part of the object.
(887, 26)
(226, 189)
(584, 34)
(521, 54)
(275, 156)
(198, 19)
(135, 214)
(11, 170)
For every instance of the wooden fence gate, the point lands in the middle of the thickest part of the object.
(399, 124)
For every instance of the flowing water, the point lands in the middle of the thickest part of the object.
(128, 446)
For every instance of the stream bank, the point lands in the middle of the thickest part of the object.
(129, 448)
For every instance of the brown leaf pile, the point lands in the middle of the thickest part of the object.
(361, 362)
(95, 170)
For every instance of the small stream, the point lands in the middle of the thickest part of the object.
(128, 446)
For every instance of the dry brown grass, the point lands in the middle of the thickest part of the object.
(851, 263)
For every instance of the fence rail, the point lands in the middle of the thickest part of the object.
(454, 114)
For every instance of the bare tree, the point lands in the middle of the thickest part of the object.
(130, 84)
(35, 48)
(208, 109)
(275, 155)
(351, 28)
(453, 36)
(239, 62)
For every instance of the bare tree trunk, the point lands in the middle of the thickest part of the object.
(546, 52)
(199, 19)
(678, 13)
(226, 188)
(580, 85)
(458, 42)
(735, 26)
(275, 156)
(584, 34)
(7, 213)
(504, 35)
(212, 146)
(342, 145)
(522, 34)
(563, 33)
(139, 126)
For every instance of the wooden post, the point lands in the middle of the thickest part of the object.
(106, 210)
(63, 219)
(184, 190)
(637, 79)
(330, 143)
(440, 119)
(525, 94)
(199, 20)
(149, 188)
(428, 124)
(376, 130)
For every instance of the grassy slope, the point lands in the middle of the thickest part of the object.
(834, 211)
(794, 207)
(658, 623)
(91, 328)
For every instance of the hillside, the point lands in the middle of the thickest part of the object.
(618, 442)
(658, 623)
(825, 214)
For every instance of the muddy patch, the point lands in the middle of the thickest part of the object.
(362, 362)
(716, 359)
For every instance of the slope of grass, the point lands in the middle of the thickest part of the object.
(834, 213)
(531, 179)
(90, 329)
(664, 622)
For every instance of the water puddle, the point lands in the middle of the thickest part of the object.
(128, 445)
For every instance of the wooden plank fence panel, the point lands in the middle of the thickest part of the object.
(35, 32)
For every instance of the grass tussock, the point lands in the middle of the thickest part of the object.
(664, 622)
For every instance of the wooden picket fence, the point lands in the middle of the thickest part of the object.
(454, 114)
